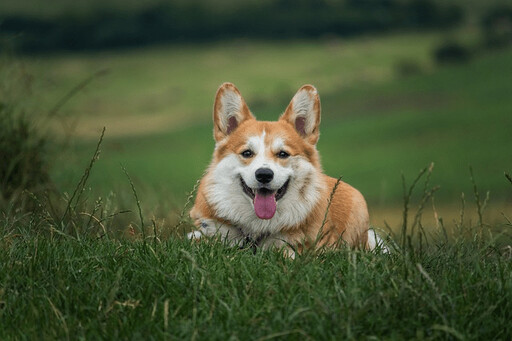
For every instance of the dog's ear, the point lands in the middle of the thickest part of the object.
(229, 111)
(303, 113)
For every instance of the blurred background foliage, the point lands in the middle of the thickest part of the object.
(80, 25)
(403, 83)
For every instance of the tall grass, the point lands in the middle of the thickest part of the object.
(75, 266)
(23, 151)
(85, 280)
(24, 166)
(65, 288)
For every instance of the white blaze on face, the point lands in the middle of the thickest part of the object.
(265, 202)
(278, 145)
(261, 160)
(225, 192)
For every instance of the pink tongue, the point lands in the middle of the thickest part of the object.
(265, 205)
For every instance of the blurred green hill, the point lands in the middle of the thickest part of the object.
(376, 123)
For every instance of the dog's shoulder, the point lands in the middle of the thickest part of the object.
(348, 210)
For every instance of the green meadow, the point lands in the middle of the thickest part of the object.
(64, 288)
(377, 122)
(102, 255)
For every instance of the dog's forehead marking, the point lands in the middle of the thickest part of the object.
(257, 143)
(277, 144)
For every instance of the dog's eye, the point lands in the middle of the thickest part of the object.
(247, 153)
(282, 154)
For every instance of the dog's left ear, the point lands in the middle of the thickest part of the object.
(303, 113)
(229, 111)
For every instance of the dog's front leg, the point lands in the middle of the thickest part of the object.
(212, 228)
(278, 241)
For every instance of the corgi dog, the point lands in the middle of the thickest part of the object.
(265, 185)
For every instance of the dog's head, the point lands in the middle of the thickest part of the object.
(265, 163)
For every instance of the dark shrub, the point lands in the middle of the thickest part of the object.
(451, 52)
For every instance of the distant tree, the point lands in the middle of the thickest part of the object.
(497, 26)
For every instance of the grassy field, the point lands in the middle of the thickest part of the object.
(80, 267)
(58, 286)
(69, 276)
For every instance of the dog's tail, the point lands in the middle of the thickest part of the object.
(375, 242)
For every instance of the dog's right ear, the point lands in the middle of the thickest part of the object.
(303, 113)
(229, 111)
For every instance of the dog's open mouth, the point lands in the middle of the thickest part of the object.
(264, 199)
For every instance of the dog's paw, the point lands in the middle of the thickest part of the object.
(289, 253)
(376, 243)
(194, 235)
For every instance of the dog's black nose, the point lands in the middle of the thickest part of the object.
(264, 175)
